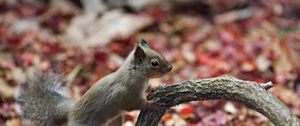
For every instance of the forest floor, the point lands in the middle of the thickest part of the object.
(252, 41)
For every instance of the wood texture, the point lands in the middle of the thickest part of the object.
(253, 95)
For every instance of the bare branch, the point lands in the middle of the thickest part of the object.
(251, 94)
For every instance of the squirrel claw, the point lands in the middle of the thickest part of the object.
(160, 86)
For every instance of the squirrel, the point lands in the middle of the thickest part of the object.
(104, 103)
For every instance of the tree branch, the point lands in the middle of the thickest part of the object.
(252, 94)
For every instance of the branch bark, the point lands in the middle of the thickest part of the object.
(252, 94)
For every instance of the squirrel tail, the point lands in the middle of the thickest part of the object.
(41, 103)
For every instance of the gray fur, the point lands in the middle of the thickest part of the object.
(41, 103)
(109, 97)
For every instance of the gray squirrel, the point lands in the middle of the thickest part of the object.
(104, 103)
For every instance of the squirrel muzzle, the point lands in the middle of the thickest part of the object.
(166, 69)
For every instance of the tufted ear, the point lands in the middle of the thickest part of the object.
(139, 55)
(143, 43)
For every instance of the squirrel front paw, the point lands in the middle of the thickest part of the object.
(152, 88)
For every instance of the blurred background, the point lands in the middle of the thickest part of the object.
(257, 40)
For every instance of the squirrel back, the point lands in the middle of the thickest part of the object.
(40, 101)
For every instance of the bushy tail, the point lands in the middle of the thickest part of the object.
(40, 101)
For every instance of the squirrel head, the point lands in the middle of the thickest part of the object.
(149, 61)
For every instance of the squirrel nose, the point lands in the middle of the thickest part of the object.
(169, 67)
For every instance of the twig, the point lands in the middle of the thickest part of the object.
(267, 85)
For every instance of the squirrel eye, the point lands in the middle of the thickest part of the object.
(154, 62)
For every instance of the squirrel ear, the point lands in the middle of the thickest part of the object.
(143, 43)
(139, 55)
